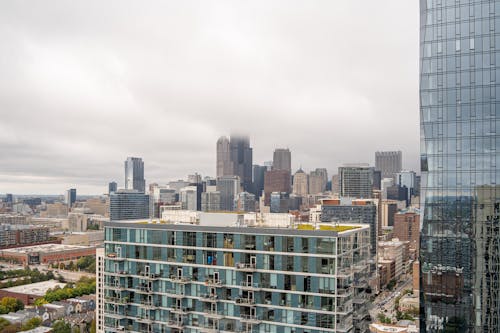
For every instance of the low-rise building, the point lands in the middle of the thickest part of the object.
(46, 253)
(30, 292)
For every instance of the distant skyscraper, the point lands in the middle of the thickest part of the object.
(241, 159)
(189, 198)
(70, 197)
(258, 179)
(9, 198)
(389, 162)
(282, 159)
(229, 187)
(356, 180)
(224, 165)
(134, 174)
(112, 187)
(408, 179)
(460, 164)
(276, 181)
(128, 205)
(301, 183)
(317, 181)
(194, 179)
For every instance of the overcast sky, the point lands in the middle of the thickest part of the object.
(84, 84)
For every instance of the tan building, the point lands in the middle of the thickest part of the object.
(301, 183)
(77, 222)
(316, 183)
(57, 209)
(407, 228)
(409, 303)
(397, 251)
(90, 238)
(98, 206)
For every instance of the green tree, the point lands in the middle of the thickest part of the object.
(4, 323)
(31, 324)
(10, 304)
(93, 328)
(61, 326)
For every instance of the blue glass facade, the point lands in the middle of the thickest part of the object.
(459, 113)
(173, 278)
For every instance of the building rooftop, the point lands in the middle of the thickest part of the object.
(37, 289)
(44, 248)
(245, 222)
(40, 329)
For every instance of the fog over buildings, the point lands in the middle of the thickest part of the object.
(85, 84)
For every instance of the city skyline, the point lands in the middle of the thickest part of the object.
(77, 97)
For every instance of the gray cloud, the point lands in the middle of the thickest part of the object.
(85, 84)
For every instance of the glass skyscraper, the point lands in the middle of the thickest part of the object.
(459, 112)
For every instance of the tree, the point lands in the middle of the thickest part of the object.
(4, 323)
(61, 326)
(31, 324)
(10, 304)
(93, 327)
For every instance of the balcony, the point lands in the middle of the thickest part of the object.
(208, 329)
(208, 298)
(214, 314)
(244, 267)
(144, 290)
(213, 282)
(179, 310)
(149, 305)
(115, 315)
(242, 301)
(175, 324)
(249, 319)
(151, 276)
(116, 300)
(115, 286)
(179, 279)
(175, 294)
(113, 256)
(144, 320)
(249, 286)
(114, 328)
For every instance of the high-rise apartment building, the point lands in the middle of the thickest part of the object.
(188, 196)
(317, 182)
(128, 205)
(234, 277)
(70, 197)
(224, 165)
(459, 117)
(134, 174)
(282, 159)
(356, 180)
(300, 183)
(389, 163)
(241, 159)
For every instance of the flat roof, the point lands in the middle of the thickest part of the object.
(37, 289)
(321, 229)
(45, 248)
